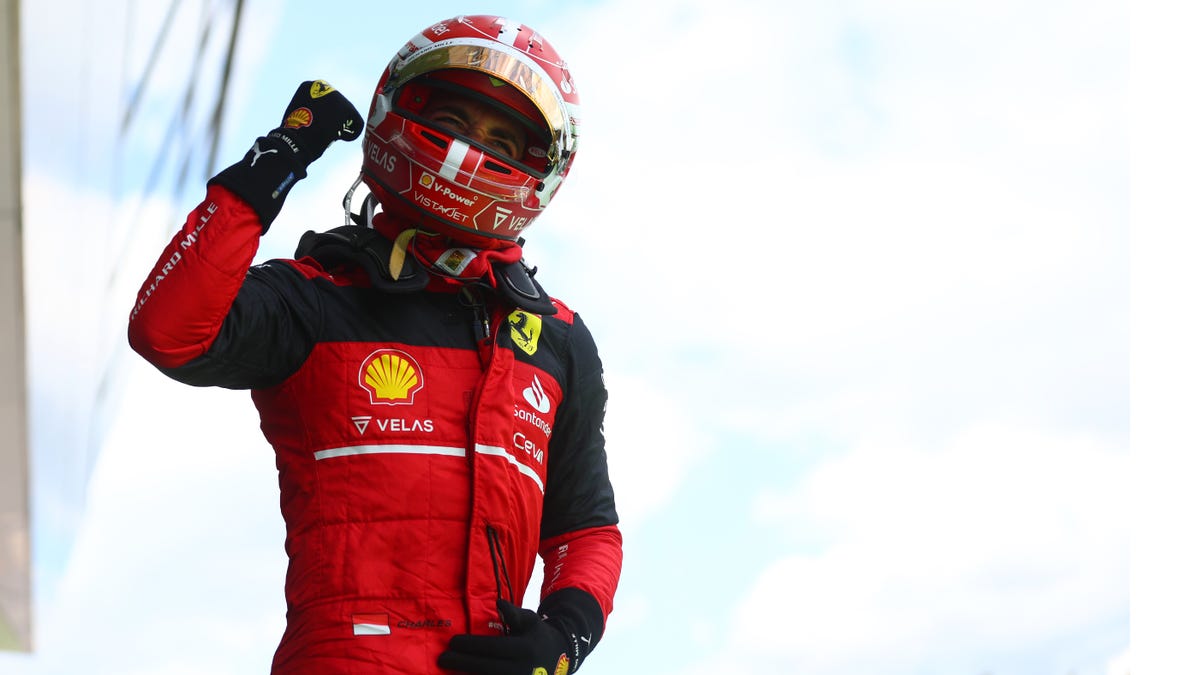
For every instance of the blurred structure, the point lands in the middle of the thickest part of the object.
(15, 619)
(110, 110)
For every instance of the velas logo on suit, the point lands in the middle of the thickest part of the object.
(391, 377)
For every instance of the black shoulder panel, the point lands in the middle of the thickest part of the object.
(516, 284)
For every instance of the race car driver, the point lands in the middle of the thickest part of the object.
(436, 416)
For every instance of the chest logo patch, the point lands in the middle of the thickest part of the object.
(391, 377)
(526, 329)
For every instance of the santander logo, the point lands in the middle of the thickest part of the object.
(536, 396)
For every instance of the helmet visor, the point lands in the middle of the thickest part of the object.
(511, 67)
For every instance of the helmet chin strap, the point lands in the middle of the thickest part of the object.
(363, 217)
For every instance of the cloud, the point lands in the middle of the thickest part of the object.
(1002, 540)
(1120, 664)
(703, 225)
(77, 298)
(797, 221)
(886, 238)
(892, 238)
(652, 442)
(178, 564)
(81, 226)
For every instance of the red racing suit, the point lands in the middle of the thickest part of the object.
(421, 470)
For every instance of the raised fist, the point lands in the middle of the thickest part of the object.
(317, 116)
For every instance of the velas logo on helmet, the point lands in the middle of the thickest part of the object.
(391, 377)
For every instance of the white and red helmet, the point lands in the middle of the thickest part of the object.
(446, 182)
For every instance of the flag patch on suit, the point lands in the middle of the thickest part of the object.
(371, 624)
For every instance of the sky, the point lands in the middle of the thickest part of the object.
(860, 277)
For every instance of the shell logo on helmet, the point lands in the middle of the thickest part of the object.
(391, 377)
(430, 182)
(503, 64)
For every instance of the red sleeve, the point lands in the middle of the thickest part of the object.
(184, 300)
(589, 560)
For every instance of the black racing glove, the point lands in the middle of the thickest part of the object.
(317, 116)
(552, 641)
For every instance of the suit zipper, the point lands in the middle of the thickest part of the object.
(481, 323)
(481, 326)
